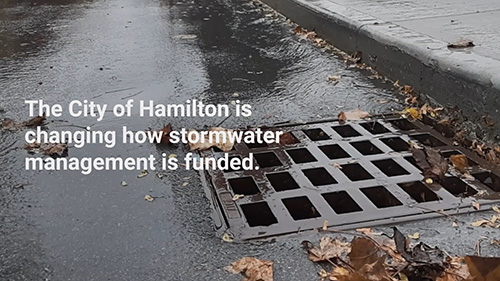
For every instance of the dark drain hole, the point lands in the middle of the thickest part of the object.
(355, 172)
(428, 140)
(300, 208)
(449, 153)
(444, 130)
(301, 155)
(412, 161)
(268, 159)
(390, 168)
(346, 131)
(457, 187)
(258, 214)
(419, 192)
(341, 202)
(396, 144)
(319, 176)
(403, 124)
(381, 197)
(366, 147)
(375, 128)
(282, 181)
(334, 151)
(256, 145)
(316, 134)
(489, 179)
(245, 185)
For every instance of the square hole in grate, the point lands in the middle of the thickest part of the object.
(230, 169)
(334, 151)
(316, 134)
(374, 127)
(282, 181)
(489, 179)
(346, 131)
(256, 145)
(457, 187)
(288, 138)
(390, 168)
(356, 172)
(319, 176)
(381, 197)
(258, 214)
(366, 147)
(412, 161)
(396, 144)
(428, 140)
(267, 159)
(301, 155)
(403, 124)
(341, 202)
(244, 185)
(300, 208)
(419, 191)
(447, 154)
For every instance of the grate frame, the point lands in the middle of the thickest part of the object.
(359, 210)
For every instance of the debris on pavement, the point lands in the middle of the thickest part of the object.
(142, 174)
(165, 134)
(50, 149)
(353, 115)
(149, 198)
(12, 125)
(207, 144)
(328, 249)
(462, 43)
(253, 269)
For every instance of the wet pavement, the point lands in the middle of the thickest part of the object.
(66, 226)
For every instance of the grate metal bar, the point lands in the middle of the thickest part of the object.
(299, 186)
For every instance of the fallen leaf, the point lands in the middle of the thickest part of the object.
(238, 196)
(172, 156)
(412, 112)
(459, 161)
(356, 114)
(142, 174)
(227, 238)
(253, 269)
(495, 242)
(454, 224)
(287, 138)
(334, 78)
(475, 205)
(184, 184)
(207, 144)
(124, 183)
(460, 44)
(299, 30)
(481, 223)
(325, 225)
(149, 198)
(35, 121)
(342, 117)
(438, 165)
(328, 248)
(496, 209)
(415, 236)
(165, 134)
(483, 269)
(337, 165)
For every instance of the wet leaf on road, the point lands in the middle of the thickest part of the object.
(124, 183)
(329, 248)
(476, 205)
(353, 115)
(207, 144)
(253, 269)
(227, 238)
(460, 162)
(12, 125)
(142, 174)
(149, 198)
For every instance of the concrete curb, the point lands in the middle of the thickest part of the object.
(454, 77)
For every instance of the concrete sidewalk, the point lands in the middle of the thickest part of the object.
(407, 40)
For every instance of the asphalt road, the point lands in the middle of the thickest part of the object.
(66, 226)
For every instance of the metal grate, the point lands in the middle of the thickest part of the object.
(299, 186)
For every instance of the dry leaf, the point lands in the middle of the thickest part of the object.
(356, 114)
(149, 198)
(342, 117)
(454, 224)
(253, 269)
(328, 248)
(496, 209)
(124, 183)
(337, 165)
(415, 236)
(227, 238)
(206, 144)
(184, 184)
(483, 269)
(412, 112)
(238, 196)
(325, 225)
(475, 205)
(334, 78)
(459, 161)
(482, 223)
(142, 174)
(287, 138)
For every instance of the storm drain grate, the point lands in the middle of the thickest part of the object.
(352, 175)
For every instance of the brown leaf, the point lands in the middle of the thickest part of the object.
(438, 165)
(36, 121)
(356, 114)
(483, 269)
(457, 270)
(342, 117)
(299, 30)
(328, 249)
(287, 138)
(363, 251)
(459, 161)
(476, 205)
(206, 144)
(165, 134)
(253, 269)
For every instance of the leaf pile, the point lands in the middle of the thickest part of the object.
(378, 258)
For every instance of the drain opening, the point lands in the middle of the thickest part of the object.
(245, 186)
(256, 145)
(229, 168)
(428, 140)
(316, 134)
(381, 197)
(282, 181)
(403, 124)
(412, 161)
(375, 128)
(346, 131)
(366, 147)
(390, 168)
(489, 179)
(258, 214)
(319, 176)
(334, 151)
(301, 155)
(457, 187)
(300, 208)
(267, 159)
(341, 202)
(419, 192)
(447, 154)
(444, 130)
(396, 144)
(356, 172)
